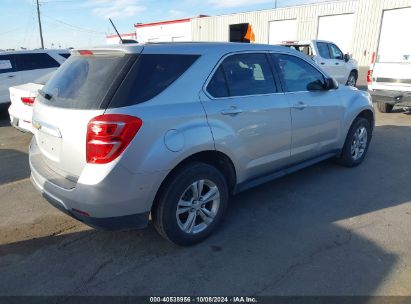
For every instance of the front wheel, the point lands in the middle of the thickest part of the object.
(352, 79)
(191, 205)
(357, 143)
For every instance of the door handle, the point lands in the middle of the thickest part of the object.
(337, 63)
(322, 63)
(10, 76)
(232, 111)
(300, 106)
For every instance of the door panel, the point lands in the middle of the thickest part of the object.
(341, 74)
(254, 130)
(316, 115)
(315, 127)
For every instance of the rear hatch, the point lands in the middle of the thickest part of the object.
(80, 90)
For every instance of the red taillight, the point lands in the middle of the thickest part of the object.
(85, 52)
(108, 136)
(369, 77)
(28, 100)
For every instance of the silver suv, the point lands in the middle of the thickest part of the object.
(173, 130)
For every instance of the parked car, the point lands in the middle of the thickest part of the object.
(22, 99)
(175, 129)
(330, 58)
(20, 67)
(390, 84)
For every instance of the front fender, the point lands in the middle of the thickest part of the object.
(354, 101)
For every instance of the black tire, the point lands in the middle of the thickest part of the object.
(384, 107)
(353, 75)
(346, 158)
(165, 208)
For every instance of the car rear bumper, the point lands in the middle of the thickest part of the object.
(391, 97)
(20, 121)
(120, 201)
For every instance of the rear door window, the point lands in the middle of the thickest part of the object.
(323, 50)
(217, 86)
(7, 64)
(150, 76)
(85, 82)
(27, 62)
(245, 74)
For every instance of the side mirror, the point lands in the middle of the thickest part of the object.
(331, 84)
(316, 86)
(347, 57)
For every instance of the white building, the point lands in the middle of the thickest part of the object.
(165, 31)
(367, 29)
(364, 28)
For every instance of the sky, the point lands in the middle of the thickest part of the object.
(82, 23)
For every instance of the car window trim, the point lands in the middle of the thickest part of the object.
(281, 78)
(220, 61)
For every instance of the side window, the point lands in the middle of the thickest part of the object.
(26, 62)
(336, 52)
(65, 55)
(217, 86)
(7, 64)
(297, 73)
(150, 75)
(323, 50)
(248, 74)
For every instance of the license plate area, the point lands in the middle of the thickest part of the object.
(49, 145)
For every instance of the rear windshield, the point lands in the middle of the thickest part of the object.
(84, 82)
(151, 75)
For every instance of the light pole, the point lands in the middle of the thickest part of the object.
(41, 32)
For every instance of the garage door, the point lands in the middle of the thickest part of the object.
(284, 30)
(395, 44)
(338, 29)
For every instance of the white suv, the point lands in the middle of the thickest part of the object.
(330, 58)
(26, 66)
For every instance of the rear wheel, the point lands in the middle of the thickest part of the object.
(384, 107)
(356, 144)
(191, 205)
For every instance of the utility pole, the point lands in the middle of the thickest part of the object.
(275, 3)
(41, 32)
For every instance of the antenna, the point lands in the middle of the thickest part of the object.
(118, 34)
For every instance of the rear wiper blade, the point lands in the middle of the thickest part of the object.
(45, 95)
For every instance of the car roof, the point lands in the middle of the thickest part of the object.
(188, 47)
(62, 51)
(304, 42)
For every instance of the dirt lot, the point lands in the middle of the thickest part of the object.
(326, 230)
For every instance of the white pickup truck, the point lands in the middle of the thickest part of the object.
(330, 58)
(389, 83)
